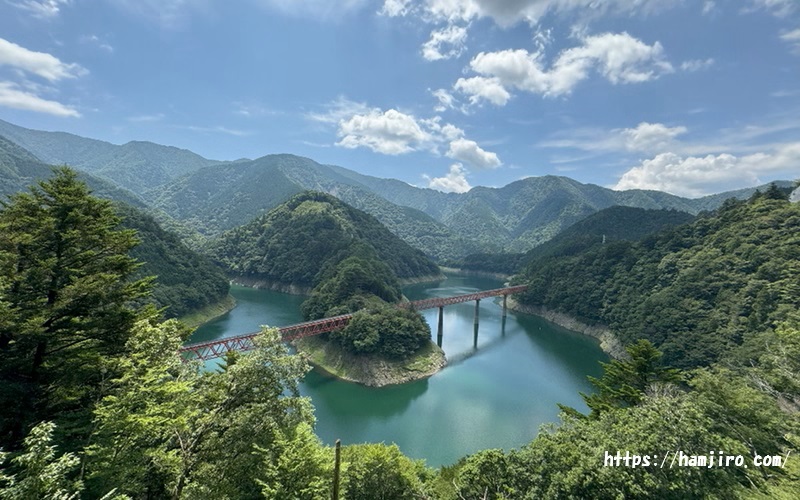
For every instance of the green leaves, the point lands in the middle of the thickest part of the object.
(169, 429)
(40, 473)
(65, 265)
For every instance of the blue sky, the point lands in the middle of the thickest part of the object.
(686, 96)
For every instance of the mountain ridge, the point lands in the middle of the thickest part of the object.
(213, 196)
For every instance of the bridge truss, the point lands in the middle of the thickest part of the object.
(219, 347)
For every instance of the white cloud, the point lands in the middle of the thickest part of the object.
(169, 14)
(508, 12)
(793, 39)
(697, 64)
(11, 96)
(321, 9)
(393, 8)
(446, 100)
(480, 88)
(43, 9)
(340, 109)
(451, 36)
(455, 181)
(619, 57)
(147, 118)
(219, 129)
(696, 176)
(395, 132)
(779, 8)
(469, 152)
(650, 136)
(646, 137)
(708, 6)
(41, 64)
(95, 40)
(390, 132)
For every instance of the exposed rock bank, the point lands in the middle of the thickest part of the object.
(608, 341)
(209, 312)
(369, 370)
(266, 284)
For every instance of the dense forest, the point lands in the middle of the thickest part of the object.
(610, 224)
(312, 231)
(348, 260)
(99, 404)
(186, 281)
(695, 291)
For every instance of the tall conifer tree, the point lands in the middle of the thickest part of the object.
(66, 299)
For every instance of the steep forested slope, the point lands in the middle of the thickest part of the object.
(225, 196)
(695, 291)
(19, 168)
(137, 165)
(610, 224)
(296, 240)
(185, 280)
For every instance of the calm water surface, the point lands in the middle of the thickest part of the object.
(495, 396)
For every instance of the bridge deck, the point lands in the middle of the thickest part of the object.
(217, 348)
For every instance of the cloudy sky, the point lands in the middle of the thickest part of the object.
(686, 96)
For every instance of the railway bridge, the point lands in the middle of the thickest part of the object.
(217, 348)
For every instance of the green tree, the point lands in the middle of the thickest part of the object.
(373, 471)
(625, 382)
(40, 474)
(168, 430)
(296, 466)
(65, 264)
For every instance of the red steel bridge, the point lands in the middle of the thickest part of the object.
(217, 348)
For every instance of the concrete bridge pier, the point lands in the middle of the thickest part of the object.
(440, 329)
(477, 314)
(505, 307)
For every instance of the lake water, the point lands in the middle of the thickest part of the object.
(495, 396)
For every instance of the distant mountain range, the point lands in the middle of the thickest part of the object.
(212, 196)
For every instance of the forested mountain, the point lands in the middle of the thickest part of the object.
(695, 291)
(19, 168)
(513, 218)
(610, 224)
(215, 196)
(225, 196)
(295, 242)
(136, 165)
(185, 280)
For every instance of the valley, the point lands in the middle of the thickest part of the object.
(689, 296)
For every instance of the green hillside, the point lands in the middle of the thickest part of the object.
(294, 243)
(695, 291)
(137, 166)
(222, 197)
(610, 224)
(185, 280)
(19, 168)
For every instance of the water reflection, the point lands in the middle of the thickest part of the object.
(495, 396)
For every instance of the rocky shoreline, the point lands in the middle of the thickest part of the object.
(368, 370)
(608, 341)
(209, 312)
(266, 284)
